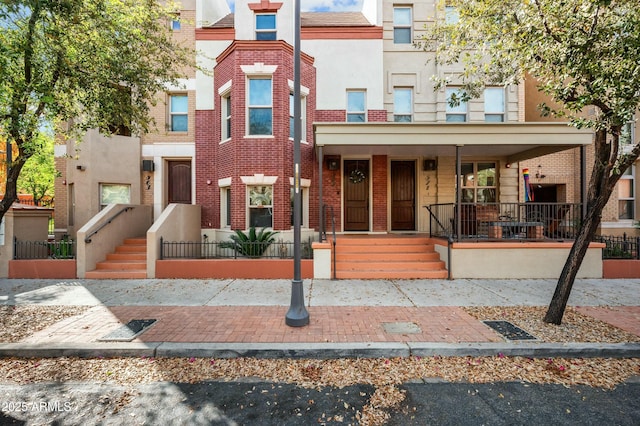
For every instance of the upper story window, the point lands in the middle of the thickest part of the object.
(265, 26)
(494, 104)
(626, 195)
(402, 104)
(458, 113)
(303, 116)
(178, 113)
(451, 15)
(356, 106)
(627, 136)
(402, 23)
(176, 25)
(260, 106)
(225, 101)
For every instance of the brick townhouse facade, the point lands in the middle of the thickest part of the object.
(379, 143)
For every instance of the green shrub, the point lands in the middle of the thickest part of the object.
(251, 244)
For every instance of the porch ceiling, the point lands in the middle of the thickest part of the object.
(514, 141)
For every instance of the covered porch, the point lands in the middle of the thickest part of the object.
(439, 178)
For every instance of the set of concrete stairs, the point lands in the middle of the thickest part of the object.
(129, 261)
(387, 257)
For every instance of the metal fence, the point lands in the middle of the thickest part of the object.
(507, 220)
(230, 250)
(619, 247)
(63, 249)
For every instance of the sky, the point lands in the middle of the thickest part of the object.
(323, 5)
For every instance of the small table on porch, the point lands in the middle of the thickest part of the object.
(513, 229)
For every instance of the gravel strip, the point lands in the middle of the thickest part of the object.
(18, 322)
(575, 326)
(380, 372)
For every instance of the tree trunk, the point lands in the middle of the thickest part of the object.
(601, 186)
(561, 295)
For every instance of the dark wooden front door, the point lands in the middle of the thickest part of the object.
(356, 195)
(179, 180)
(403, 195)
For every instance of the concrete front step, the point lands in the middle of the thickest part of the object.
(127, 256)
(128, 262)
(104, 274)
(121, 265)
(387, 256)
(400, 275)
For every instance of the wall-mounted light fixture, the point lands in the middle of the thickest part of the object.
(539, 174)
(148, 166)
(333, 163)
(429, 165)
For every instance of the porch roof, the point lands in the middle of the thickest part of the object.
(514, 141)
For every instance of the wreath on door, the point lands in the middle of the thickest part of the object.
(356, 176)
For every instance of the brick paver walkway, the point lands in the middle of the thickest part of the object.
(626, 318)
(266, 324)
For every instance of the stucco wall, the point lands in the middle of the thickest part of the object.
(131, 223)
(518, 260)
(178, 222)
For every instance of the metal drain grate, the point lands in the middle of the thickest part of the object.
(129, 331)
(509, 331)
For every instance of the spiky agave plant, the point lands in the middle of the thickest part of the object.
(252, 244)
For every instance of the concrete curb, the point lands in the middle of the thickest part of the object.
(82, 350)
(318, 350)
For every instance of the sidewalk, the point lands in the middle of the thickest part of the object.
(224, 318)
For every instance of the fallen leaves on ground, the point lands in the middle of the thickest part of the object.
(598, 372)
(18, 322)
(575, 327)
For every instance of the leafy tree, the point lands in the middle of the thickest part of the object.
(584, 54)
(81, 64)
(39, 172)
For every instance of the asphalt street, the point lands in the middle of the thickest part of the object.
(254, 402)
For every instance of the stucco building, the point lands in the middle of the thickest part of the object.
(379, 144)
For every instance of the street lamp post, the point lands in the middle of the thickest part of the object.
(297, 315)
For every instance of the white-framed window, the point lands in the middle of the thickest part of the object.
(458, 113)
(627, 134)
(265, 26)
(2, 232)
(260, 205)
(626, 195)
(303, 116)
(451, 15)
(225, 103)
(403, 104)
(175, 24)
(114, 193)
(479, 182)
(494, 104)
(356, 106)
(178, 113)
(402, 25)
(225, 207)
(260, 114)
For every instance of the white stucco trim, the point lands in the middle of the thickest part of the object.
(224, 182)
(183, 84)
(259, 68)
(258, 179)
(160, 152)
(225, 87)
(303, 90)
